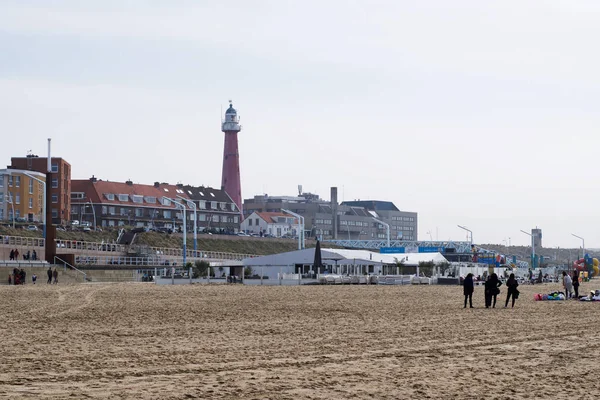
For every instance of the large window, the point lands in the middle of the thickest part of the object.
(30, 186)
(123, 197)
(137, 198)
(150, 199)
(54, 167)
(54, 213)
(1, 181)
(111, 211)
(17, 199)
(139, 212)
(30, 202)
(109, 196)
(55, 182)
(167, 214)
(17, 181)
(54, 198)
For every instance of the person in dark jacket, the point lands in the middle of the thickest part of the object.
(491, 290)
(49, 275)
(468, 290)
(576, 284)
(511, 290)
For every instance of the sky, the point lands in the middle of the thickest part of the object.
(475, 113)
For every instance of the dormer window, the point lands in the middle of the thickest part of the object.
(109, 196)
(123, 197)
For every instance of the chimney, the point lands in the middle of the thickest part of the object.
(156, 184)
(129, 182)
(93, 179)
(334, 216)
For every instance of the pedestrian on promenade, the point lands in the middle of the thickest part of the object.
(16, 254)
(468, 289)
(511, 290)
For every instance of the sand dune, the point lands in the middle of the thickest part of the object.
(227, 342)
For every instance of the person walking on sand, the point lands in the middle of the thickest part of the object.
(511, 290)
(34, 278)
(576, 284)
(16, 254)
(12, 255)
(567, 284)
(491, 290)
(49, 272)
(468, 289)
(55, 275)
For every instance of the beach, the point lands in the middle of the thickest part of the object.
(143, 341)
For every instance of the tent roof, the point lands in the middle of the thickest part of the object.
(307, 256)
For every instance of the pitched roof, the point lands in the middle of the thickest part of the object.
(268, 216)
(97, 192)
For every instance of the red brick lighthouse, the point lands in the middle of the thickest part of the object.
(230, 181)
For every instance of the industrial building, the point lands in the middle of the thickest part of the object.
(353, 220)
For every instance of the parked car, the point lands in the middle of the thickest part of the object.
(75, 222)
(86, 229)
(243, 234)
(32, 228)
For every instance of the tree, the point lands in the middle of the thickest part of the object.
(201, 268)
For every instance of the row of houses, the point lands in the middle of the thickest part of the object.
(103, 203)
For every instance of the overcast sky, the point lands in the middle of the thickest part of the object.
(479, 113)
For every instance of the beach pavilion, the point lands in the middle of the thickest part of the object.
(337, 261)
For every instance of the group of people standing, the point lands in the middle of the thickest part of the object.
(491, 290)
(18, 276)
(14, 255)
(571, 285)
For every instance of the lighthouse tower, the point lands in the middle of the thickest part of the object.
(230, 181)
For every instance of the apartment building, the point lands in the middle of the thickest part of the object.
(21, 195)
(60, 185)
(112, 204)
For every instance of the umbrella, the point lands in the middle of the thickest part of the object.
(318, 263)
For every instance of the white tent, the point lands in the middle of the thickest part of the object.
(273, 264)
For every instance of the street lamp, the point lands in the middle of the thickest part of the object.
(532, 247)
(468, 230)
(387, 226)
(300, 227)
(583, 244)
(12, 205)
(44, 201)
(191, 204)
(94, 213)
(184, 228)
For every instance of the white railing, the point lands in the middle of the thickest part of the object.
(216, 255)
(65, 264)
(22, 241)
(89, 246)
(23, 263)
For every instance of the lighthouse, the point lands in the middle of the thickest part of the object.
(230, 181)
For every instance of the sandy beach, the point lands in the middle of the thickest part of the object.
(320, 342)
